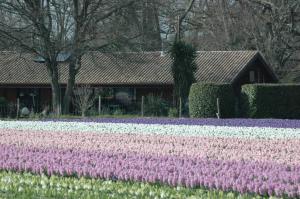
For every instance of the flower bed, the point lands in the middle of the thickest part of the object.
(26, 185)
(275, 123)
(158, 129)
(259, 160)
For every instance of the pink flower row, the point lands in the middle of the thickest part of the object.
(242, 176)
(279, 151)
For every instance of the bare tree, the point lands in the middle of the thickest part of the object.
(84, 98)
(36, 30)
(48, 27)
(89, 16)
(181, 18)
(271, 26)
(277, 29)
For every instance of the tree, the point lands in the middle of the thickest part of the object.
(91, 18)
(270, 26)
(277, 30)
(49, 27)
(182, 17)
(37, 30)
(183, 55)
(183, 68)
(84, 98)
(174, 16)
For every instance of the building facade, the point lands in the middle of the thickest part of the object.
(126, 75)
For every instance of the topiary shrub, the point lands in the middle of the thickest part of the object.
(203, 100)
(271, 101)
(183, 68)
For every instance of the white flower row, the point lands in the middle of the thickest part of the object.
(180, 130)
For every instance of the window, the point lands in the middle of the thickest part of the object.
(124, 95)
(252, 76)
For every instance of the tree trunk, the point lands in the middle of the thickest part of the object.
(74, 65)
(56, 100)
(69, 90)
(83, 114)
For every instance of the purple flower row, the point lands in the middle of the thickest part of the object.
(242, 176)
(275, 123)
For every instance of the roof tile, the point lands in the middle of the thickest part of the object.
(124, 68)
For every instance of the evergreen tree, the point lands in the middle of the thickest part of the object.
(183, 68)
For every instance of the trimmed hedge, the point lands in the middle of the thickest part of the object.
(203, 100)
(271, 101)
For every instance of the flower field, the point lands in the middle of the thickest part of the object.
(32, 186)
(260, 158)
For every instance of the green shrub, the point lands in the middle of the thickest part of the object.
(11, 110)
(3, 101)
(271, 101)
(118, 112)
(155, 106)
(173, 112)
(183, 67)
(203, 100)
(105, 111)
(3, 106)
(93, 111)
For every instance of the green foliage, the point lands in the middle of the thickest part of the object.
(3, 101)
(203, 100)
(53, 116)
(34, 116)
(118, 111)
(3, 107)
(123, 115)
(271, 101)
(155, 106)
(105, 111)
(105, 92)
(183, 67)
(173, 112)
(93, 111)
(25, 185)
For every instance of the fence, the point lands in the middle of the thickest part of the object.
(145, 106)
(13, 110)
(8, 111)
(106, 107)
(141, 107)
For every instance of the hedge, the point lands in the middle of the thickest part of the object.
(271, 101)
(203, 100)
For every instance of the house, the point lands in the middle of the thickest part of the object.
(24, 75)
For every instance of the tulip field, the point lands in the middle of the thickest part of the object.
(150, 158)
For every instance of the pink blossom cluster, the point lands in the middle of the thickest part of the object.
(262, 166)
(282, 151)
